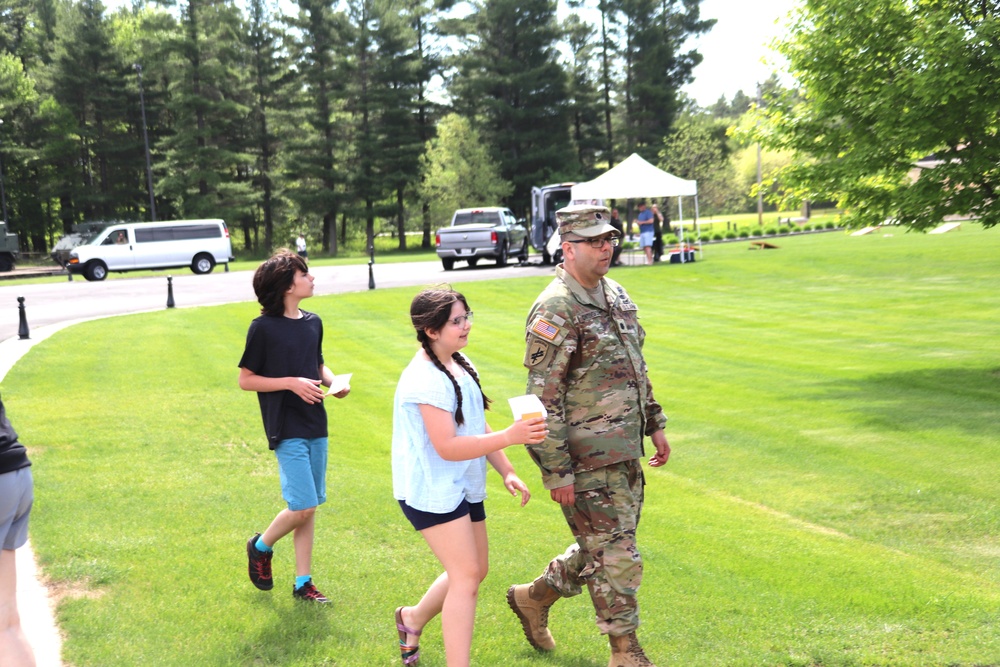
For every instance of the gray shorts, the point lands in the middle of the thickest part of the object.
(16, 496)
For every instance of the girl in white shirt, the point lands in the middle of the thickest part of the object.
(440, 445)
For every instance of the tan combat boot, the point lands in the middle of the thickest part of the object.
(531, 603)
(626, 652)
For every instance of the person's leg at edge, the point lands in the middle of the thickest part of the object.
(15, 650)
(461, 546)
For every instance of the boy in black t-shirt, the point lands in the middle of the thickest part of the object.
(283, 363)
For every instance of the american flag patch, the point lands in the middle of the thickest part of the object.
(545, 329)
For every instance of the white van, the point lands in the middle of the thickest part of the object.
(200, 244)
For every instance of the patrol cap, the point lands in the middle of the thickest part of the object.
(585, 220)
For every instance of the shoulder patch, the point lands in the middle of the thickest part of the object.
(537, 351)
(545, 329)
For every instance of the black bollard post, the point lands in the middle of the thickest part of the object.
(371, 262)
(69, 273)
(227, 267)
(170, 292)
(22, 329)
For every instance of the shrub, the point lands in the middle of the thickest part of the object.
(718, 236)
(732, 235)
(770, 231)
(831, 225)
(757, 232)
(670, 240)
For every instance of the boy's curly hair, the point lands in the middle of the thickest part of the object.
(273, 278)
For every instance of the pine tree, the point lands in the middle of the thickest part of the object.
(655, 69)
(208, 167)
(262, 42)
(510, 84)
(317, 140)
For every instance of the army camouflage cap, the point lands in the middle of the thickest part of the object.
(585, 220)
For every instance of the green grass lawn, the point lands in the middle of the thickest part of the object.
(832, 497)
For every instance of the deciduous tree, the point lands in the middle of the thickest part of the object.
(886, 83)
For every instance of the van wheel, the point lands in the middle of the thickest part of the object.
(96, 270)
(203, 263)
(6, 263)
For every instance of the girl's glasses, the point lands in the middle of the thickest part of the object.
(462, 319)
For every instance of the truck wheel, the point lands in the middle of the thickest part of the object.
(546, 257)
(557, 258)
(473, 261)
(523, 256)
(502, 257)
(203, 263)
(95, 270)
(6, 263)
(448, 263)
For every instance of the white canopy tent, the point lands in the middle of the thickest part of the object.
(634, 178)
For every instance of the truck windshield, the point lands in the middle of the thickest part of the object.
(476, 218)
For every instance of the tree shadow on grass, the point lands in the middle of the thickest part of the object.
(965, 399)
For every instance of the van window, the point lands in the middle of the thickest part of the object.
(119, 237)
(154, 234)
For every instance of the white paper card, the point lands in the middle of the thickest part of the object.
(339, 384)
(527, 407)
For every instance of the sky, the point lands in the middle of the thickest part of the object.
(734, 48)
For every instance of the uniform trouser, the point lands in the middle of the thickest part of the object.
(605, 556)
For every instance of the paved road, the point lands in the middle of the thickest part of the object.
(78, 299)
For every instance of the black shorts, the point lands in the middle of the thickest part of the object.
(422, 520)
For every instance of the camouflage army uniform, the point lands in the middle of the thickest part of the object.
(584, 361)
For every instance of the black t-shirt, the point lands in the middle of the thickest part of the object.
(13, 455)
(283, 347)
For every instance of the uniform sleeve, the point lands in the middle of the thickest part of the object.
(656, 419)
(550, 344)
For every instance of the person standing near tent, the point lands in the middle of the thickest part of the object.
(616, 222)
(584, 360)
(646, 230)
(657, 233)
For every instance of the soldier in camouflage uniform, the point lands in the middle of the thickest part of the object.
(584, 361)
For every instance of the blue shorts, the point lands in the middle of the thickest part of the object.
(646, 239)
(421, 520)
(302, 468)
(16, 498)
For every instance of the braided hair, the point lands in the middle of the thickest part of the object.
(431, 309)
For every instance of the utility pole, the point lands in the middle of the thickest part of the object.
(145, 141)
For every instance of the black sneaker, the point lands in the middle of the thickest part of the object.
(260, 565)
(308, 592)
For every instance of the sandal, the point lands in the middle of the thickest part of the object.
(409, 654)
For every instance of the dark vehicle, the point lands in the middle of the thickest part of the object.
(492, 232)
(10, 250)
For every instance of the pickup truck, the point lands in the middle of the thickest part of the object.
(491, 232)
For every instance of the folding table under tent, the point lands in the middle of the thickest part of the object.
(634, 178)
